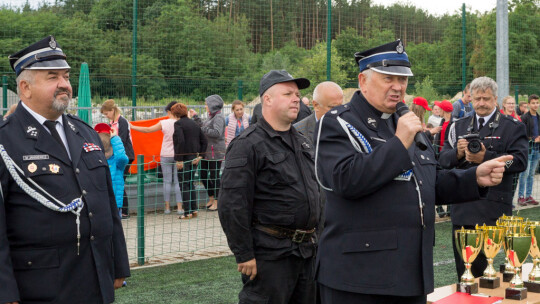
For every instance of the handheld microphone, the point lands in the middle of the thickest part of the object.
(419, 139)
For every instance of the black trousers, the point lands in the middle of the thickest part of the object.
(189, 194)
(287, 280)
(334, 296)
(210, 176)
(479, 264)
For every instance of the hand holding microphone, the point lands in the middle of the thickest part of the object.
(409, 128)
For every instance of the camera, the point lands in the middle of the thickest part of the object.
(475, 143)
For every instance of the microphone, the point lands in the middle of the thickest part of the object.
(419, 139)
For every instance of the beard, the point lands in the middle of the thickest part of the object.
(61, 104)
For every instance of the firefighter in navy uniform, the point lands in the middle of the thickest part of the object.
(269, 200)
(61, 238)
(497, 135)
(381, 190)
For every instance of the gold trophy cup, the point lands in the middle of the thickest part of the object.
(512, 224)
(493, 240)
(468, 244)
(533, 284)
(517, 246)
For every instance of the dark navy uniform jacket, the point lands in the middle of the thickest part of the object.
(38, 246)
(373, 241)
(507, 137)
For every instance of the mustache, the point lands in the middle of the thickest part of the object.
(59, 91)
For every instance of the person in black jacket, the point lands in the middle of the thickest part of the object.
(499, 135)
(532, 127)
(189, 144)
(269, 200)
(256, 114)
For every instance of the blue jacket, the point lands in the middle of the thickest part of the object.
(117, 163)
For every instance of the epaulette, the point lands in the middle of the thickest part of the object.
(510, 118)
(338, 110)
(80, 120)
(247, 131)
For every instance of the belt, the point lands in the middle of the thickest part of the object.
(296, 235)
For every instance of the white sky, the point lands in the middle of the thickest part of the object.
(435, 7)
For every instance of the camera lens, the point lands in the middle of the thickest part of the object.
(474, 146)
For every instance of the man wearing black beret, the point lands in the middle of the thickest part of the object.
(61, 238)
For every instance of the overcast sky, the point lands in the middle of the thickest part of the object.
(432, 6)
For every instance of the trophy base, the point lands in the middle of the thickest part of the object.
(490, 283)
(532, 286)
(507, 276)
(502, 268)
(467, 288)
(516, 294)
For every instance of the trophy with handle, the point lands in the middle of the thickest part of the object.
(512, 224)
(517, 246)
(533, 284)
(493, 240)
(468, 244)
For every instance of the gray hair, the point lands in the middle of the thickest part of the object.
(483, 84)
(326, 84)
(25, 75)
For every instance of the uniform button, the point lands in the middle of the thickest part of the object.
(29, 263)
(422, 156)
(44, 169)
(413, 164)
(90, 214)
(427, 158)
(420, 183)
(100, 161)
(92, 238)
(367, 244)
(84, 193)
(77, 171)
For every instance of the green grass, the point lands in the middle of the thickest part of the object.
(216, 281)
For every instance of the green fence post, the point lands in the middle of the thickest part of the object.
(517, 95)
(134, 62)
(463, 48)
(329, 42)
(240, 89)
(4, 93)
(140, 210)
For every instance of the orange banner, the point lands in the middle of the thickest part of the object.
(147, 144)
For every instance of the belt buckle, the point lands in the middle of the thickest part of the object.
(298, 236)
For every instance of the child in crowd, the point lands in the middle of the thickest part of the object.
(117, 159)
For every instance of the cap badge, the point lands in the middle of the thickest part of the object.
(372, 122)
(32, 167)
(52, 43)
(399, 48)
(54, 168)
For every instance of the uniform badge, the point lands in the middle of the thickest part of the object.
(52, 43)
(72, 126)
(54, 168)
(32, 167)
(88, 147)
(305, 145)
(399, 48)
(372, 122)
(35, 157)
(509, 163)
(32, 131)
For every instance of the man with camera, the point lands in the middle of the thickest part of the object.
(472, 140)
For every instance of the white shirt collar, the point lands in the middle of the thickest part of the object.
(486, 118)
(38, 117)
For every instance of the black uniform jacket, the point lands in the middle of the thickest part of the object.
(373, 241)
(507, 137)
(267, 181)
(38, 246)
(527, 119)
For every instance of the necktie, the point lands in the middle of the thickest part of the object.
(51, 125)
(481, 121)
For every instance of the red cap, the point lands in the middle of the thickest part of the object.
(421, 101)
(445, 105)
(102, 128)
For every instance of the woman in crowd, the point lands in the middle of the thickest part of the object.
(168, 165)
(214, 130)
(509, 107)
(121, 125)
(419, 108)
(236, 122)
(189, 144)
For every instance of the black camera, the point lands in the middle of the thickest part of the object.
(475, 143)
